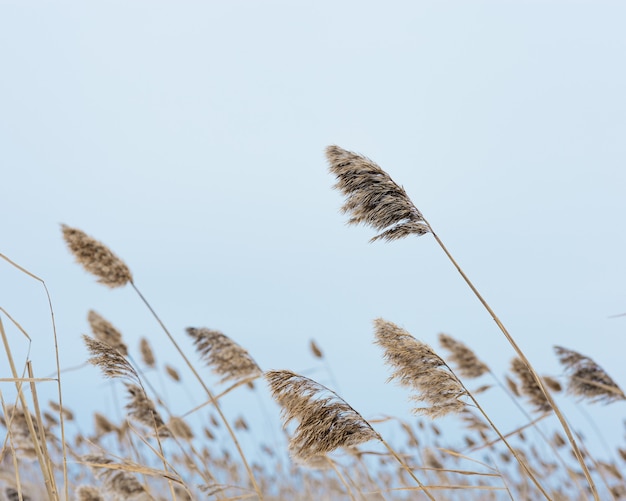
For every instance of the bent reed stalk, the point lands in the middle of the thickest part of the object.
(374, 199)
(97, 259)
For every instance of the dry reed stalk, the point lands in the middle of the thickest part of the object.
(67, 413)
(225, 357)
(147, 354)
(41, 453)
(56, 359)
(416, 366)
(325, 421)
(586, 379)
(99, 260)
(118, 483)
(468, 365)
(373, 198)
(105, 332)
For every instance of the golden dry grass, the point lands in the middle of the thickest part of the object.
(150, 449)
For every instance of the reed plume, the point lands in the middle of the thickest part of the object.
(15, 421)
(180, 428)
(142, 409)
(109, 360)
(225, 357)
(325, 421)
(529, 387)
(315, 349)
(104, 331)
(147, 354)
(416, 366)
(586, 379)
(96, 258)
(373, 198)
(468, 365)
(89, 493)
(117, 483)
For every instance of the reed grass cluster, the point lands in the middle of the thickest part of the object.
(148, 448)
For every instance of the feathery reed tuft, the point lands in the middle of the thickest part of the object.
(528, 386)
(586, 379)
(418, 367)
(325, 421)
(180, 428)
(223, 355)
(315, 350)
(142, 409)
(109, 360)
(89, 493)
(147, 354)
(373, 198)
(18, 431)
(96, 258)
(117, 482)
(104, 331)
(467, 363)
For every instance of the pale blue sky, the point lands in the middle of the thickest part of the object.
(189, 137)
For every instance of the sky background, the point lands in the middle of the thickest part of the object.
(189, 138)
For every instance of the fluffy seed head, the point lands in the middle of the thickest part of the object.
(416, 366)
(142, 409)
(586, 379)
(528, 386)
(104, 331)
(325, 421)
(116, 482)
(223, 355)
(147, 355)
(96, 258)
(373, 198)
(468, 365)
(109, 360)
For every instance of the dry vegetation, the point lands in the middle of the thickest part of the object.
(149, 450)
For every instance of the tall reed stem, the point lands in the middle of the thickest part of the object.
(522, 357)
(206, 389)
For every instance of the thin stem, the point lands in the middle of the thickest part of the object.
(408, 470)
(206, 389)
(536, 376)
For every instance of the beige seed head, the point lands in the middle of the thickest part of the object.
(89, 493)
(468, 365)
(117, 482)
(416, 366)
(172, 372)
(104, 331)
(586, 379)
(142, 409)
(528, 386)
(147, 355)
(180, 428)
(325, 421)
(109, 360)
(373, 198)
(223, 355)
(96, 258)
